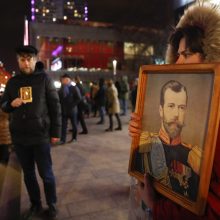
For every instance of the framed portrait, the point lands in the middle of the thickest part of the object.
(179, 110)
(26, 94)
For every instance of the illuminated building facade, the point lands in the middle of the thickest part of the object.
(58, 10)
(93, 46)
(67, 41)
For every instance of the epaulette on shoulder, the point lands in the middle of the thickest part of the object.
(194, 158)
(146, 140)
(190, 146)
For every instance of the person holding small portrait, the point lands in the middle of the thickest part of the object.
(35, 124)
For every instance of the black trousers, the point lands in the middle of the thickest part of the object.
(111, 120)
(4, 153)
(73, 120)
(39, 154)
(81, 119)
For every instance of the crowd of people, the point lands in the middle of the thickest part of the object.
(104, 98)
(35, 115)
(39, 116)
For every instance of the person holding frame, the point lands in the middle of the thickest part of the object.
(194, 40)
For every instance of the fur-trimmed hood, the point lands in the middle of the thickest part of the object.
(206, 17)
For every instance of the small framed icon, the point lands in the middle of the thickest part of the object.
(26, 94)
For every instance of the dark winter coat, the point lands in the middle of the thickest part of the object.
(69, 103)
(83, 105)
(37, 121)
(100, 96)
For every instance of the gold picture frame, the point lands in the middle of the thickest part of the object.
(199, 133)
(26, 94)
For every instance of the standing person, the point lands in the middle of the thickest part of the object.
(81, 106)
(69, 99)
(93, 90)
(5, 137)
(100, 100)
(113, 106)
(35, 123)
(195, 40)
(124, 94)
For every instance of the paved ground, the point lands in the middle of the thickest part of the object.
(92, 175)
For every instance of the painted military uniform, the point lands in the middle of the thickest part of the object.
(172, 162)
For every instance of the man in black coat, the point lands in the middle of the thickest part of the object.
(69, 99)
(81, 106)
(32, 100)
(100, 99)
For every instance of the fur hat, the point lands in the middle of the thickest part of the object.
(206, 17)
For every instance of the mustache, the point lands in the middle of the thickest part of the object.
(176, 122)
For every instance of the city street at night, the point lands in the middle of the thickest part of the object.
(92, 175)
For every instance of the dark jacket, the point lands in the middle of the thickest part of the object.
(69, 103)
(100, 96)
(81, 89)
(82, 105)
(35, 122)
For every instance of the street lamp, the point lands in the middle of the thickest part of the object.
(114, 62)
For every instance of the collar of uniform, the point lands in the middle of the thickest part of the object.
(166, 139)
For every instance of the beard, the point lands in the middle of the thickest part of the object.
(27, 70)
(173, 128)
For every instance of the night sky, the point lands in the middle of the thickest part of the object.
(11, 32)
(146, 13)
(152, 13)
